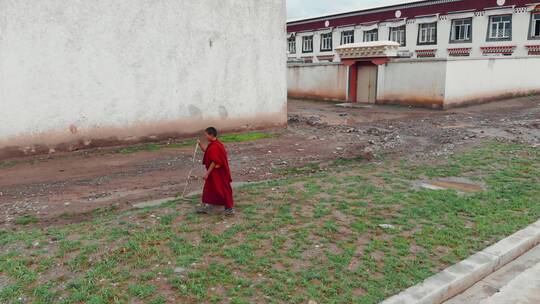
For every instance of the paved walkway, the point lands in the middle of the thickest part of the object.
(516, 283)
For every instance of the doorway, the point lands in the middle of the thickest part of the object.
(366, 91)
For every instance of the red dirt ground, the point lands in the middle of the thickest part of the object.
(79, 182)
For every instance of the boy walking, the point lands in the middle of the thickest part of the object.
(217, 180)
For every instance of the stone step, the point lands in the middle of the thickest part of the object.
(497, 284)
(523, 289)
(461, 276)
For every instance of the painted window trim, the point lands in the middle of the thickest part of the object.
(470, 40)
(436, 34)
(404, 34)
(347, 31)
(370, 31)
(331, 42)
(293, 40)
(489, 39)
(531, 37)
(303, 44)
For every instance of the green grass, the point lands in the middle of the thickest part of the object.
(135, 149)
(251, 136)
(7, 164)
(230, 138)
(310, 235)
(26, 220)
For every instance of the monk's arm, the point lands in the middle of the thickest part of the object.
(210, 169)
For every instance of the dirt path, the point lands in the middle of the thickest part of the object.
(318, 132)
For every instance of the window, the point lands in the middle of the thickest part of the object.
(307, 44)
(347, 37)
(535, 26)
(397, 34)
(326, 42)
(427, 33)
(292, 45)
(372, 35)
(461, 31)
(500, 28)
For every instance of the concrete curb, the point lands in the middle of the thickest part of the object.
(459, 277)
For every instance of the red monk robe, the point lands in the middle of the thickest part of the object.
(217, 188)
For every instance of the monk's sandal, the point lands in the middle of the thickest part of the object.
(229, 212)
(203, 209)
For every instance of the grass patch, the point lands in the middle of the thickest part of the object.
(230, 138)
(135, 149)
(7, 164)
(26, 220)
(309, 236)
(243, 137)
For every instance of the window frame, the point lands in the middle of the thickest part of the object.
(304, 38)
(490, 24)
(532, 26)
(470, 39)
(374, 31)
(323, 37)
(293, 41)
(404, 27)
(418, 42)
(343, 36)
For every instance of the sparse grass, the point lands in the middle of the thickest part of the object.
(135, 149)
(242, 137)
(26, 220)
(311, 235)
(151, 147)
(7, 164)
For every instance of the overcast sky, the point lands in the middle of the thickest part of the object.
(311, 8)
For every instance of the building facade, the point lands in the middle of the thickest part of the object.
(424, 29)
(435, 53)
(76, 74)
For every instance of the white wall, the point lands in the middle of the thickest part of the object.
(412, 82)
(483, 79)
(435, 83)
(454, 82)
(96, 69)
(318, 81)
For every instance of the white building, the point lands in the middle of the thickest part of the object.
(449, 52)
(87, 73)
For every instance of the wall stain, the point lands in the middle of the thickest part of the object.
(73, 129)
(195, 112)
(58, 141)
(223, 113)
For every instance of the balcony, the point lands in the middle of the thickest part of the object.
(375, 49)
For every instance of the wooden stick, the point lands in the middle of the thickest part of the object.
(188, 180)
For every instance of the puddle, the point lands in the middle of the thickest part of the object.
(459, 184)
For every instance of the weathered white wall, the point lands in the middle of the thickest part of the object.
(412, 82)
(326, 81)
(472, 80)
(93, 69)
(454, 82)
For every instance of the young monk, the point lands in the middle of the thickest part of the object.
(217, 186)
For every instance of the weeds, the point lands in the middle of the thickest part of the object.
(26, 220)
(311, 235)
(152, 147)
